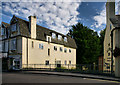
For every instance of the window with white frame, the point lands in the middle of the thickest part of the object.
(3, 46)
(53, 35)
(13, 27)
(13, 44)
(48, 38)
(69, 62)
(55, 48)
(108, 54)
(69, 50)
(59, 37)
(61, 49)
(5, 31)
(6, 46)
(8, 33)
(46, 62)
(2, 31)
(65, 39)
(65, 62)
(41, 46)
(65, 50)
(48, 52)
(16, 64)
(32, 44)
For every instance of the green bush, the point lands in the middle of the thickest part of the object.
(59, 68)
(73, 68)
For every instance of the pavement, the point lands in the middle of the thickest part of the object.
(15, 78)
(74, 75)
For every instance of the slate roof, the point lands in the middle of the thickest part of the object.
(6, 24)
(41, 33)
(116, 21)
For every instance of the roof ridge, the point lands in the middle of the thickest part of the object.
(5, 23)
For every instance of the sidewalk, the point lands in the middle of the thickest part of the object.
(74, 75)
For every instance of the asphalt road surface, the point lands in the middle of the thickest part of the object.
(42, 78)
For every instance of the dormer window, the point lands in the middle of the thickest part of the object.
(59, 37)
(65, 50)
(55, 48)
(53, 35)
(61, 49)
(41, 46)
(65, 39)
(48, 38)
(13, 27)
(69, 50)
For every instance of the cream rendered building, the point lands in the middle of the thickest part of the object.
(112, 37)
(28, 43)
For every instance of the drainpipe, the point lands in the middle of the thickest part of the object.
(27, 52)
(8, 63)
(112, 48)
(112, 51)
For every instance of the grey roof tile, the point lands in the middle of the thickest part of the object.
(41, 33)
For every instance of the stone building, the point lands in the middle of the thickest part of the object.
(112, 37)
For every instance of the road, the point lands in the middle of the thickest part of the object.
(43, 78)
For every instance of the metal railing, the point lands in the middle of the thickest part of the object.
(49, 66)
(79, 68)
(76, 68)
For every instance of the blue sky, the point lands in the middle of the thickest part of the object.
(58, 16)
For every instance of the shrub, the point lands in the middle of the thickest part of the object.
(58, 68)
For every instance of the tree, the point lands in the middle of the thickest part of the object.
(102, 35)
(88, 43)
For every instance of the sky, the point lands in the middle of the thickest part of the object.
(58, 16)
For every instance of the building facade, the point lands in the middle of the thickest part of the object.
(28, 43)
(112, 37)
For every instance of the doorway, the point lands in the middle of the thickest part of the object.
(16, 64)
(58, 63)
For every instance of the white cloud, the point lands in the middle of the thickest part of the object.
(100, 19)
(57, 16)
(116, 8)
(42, 0)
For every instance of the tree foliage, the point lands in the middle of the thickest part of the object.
(88, 44)
(102, 35)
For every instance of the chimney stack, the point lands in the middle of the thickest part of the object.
(32, 26)
(110, 10)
